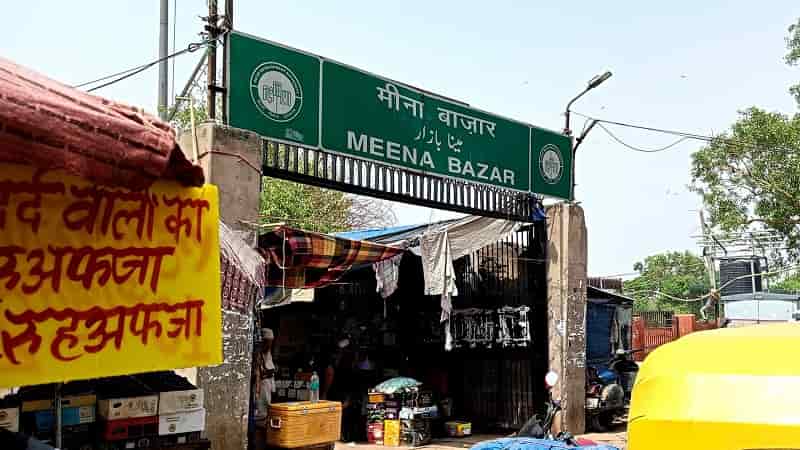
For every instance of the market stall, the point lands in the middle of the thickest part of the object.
(381, 320)
(110, 275)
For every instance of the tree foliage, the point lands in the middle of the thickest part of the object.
(789, 284)
(676, 274)
(322, 210)
(749, 177)
(793, 54)
(182, 115)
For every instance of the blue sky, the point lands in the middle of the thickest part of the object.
(683, 65)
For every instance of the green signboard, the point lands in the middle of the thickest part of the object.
(295, 97)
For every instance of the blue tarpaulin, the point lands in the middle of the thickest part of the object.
(598, 330)
(365, 235)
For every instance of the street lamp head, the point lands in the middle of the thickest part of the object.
(598, 80)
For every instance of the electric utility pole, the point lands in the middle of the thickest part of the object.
(163, 67)
(213, 33)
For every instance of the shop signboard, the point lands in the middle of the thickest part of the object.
(295, 97)
(100, 281)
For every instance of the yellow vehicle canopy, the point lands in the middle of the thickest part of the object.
(726, 389)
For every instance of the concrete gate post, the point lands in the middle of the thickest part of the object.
(231, 159)
(566, 307)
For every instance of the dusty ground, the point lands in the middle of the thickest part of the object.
(616, 438)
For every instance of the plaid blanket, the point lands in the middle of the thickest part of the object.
(302, 259)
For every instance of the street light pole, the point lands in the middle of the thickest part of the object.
(593, 83)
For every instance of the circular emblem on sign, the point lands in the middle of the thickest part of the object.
(551, 165)
(276, 92)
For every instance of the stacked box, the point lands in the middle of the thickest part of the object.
(176, 393)
(376, 415)
(128, 410)
(181, 412)
(38, 418)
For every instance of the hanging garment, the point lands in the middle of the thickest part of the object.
(437, 264)
(387, 275)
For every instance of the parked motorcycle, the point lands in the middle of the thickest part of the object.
(538, 435)
(626, 369)
(605, 399)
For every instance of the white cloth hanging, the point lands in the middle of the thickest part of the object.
(387, 275)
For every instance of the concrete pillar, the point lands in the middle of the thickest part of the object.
(231, 159)
(566, 307)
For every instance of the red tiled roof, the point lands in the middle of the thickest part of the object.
(49, 125)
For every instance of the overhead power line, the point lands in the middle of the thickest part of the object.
(682, 134)
(685, 134)
(125, 74)
(639, 149)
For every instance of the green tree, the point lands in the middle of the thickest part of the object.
(181, 115)
(789, 284)
(793, 55)
(680, 275)
(749, 177)
(303, 206)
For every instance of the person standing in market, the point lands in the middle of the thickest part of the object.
(266, 374)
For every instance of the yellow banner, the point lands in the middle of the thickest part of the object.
(99, 281)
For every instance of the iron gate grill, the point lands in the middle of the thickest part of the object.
(357, 176)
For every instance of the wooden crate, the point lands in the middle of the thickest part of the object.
(299, 424)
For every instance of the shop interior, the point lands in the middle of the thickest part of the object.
(354, 339)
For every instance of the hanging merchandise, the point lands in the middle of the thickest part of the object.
(387, 275)
(508, 326)
(514, 326)
(473, 328)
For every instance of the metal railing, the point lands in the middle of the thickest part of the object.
(357, 176)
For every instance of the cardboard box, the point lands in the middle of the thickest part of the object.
(180, 401)
(9, 419)
(128, 408)
(37, 405)
(77, 415)
(66, 402)
(128, 429)
(78, 400)
(184, 422)
(391, 433)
